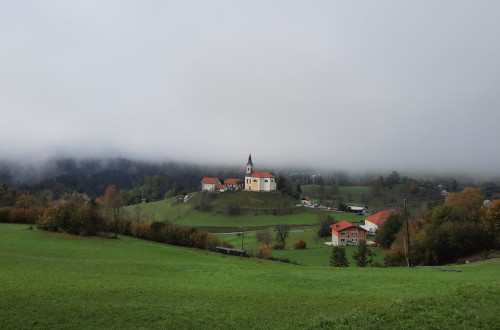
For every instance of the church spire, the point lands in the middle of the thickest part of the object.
(249, 164)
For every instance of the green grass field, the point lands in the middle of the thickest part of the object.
(316, 254)
(256, 212)
(54, 281)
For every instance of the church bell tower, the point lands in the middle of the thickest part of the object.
(249, 165)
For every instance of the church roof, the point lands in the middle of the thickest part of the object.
(262, 174)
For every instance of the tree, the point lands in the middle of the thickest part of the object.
(386, 233)
(363, 255)
(469, 201)
(112, 202)
(25, 201)
(324, 226)
(282, 232)
(338, 257)
(263, 236)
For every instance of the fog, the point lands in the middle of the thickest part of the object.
(351, 85)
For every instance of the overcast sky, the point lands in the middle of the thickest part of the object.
(399, 85)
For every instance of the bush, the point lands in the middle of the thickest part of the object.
(300, 244)
(278, 246)
(265, 251)
(4, 214)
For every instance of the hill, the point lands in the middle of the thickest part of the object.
(231, 210)
(58, 281)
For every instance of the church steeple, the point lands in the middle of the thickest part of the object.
(249, 164)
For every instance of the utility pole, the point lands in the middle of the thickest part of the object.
(408, 259)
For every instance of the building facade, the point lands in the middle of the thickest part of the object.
(345, 233)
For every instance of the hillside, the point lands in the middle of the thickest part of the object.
(231, 210)
(58, 281)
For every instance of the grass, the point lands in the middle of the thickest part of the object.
(51, 281)
(256, 211)
(316, 253)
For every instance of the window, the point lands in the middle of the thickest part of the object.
(266, 180)
(254, 180)
(342, 240)
(342, 233)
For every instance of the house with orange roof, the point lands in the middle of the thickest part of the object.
(259, 180)
(234, 184)
(345, 233)
(373, 221)
(209, 184)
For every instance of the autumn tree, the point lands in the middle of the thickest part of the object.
(25, 201)
(112, 203)
(338, 257)
(469, 201)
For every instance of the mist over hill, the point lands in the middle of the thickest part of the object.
(93, 175)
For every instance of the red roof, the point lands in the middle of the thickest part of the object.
(220, 186)
(342, 225)
(210, 180)
(232, 181)
(379, 218)
(307, 198)
(262, 174)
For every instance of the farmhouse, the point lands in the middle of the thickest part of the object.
(346, 233)
(209, 184)
(234, 184)
(373, 221)
(259, 180)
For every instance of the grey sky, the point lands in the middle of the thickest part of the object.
(398, 85)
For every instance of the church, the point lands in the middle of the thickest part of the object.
(258, 180)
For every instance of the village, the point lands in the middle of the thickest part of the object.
(344, 233)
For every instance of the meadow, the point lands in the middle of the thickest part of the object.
(256, 211)
(57, 281)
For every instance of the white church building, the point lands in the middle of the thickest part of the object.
(259, 180)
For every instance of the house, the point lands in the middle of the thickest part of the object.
(306, 200)
(357, 209)
(234, 184)
(346, 233)
(373, 221)
(220, 188)
(209, 184)
(259, 180)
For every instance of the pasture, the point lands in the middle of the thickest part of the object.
(256, 210)
(55, 281)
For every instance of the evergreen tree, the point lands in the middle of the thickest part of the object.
(363, 255)
(338, 257)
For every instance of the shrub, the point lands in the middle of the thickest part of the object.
(4, 214)
(278, 246)
(264, 251)
(300, 244)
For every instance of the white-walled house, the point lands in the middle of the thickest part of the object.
(209, 184)
(373, 221)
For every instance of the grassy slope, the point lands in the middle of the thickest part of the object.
(256, 211)
(316, 254)
(352, 195)
(59, 282)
